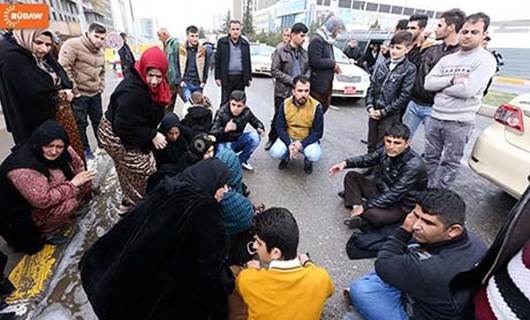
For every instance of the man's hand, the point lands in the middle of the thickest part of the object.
(337, 168)
(410, 220)
(230, 126)
(357, 210)
(374, 114)
(69, 95)
(337, 69)
(159, 141)
(261, 132)
(218, 83)
(254, 264)
(295, 148)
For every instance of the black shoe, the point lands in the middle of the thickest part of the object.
(341, 194)
(245, 190)
(283, 164)
(6, 288)
(308, 167)
(56, 240)
(269, 144)
(355, 222)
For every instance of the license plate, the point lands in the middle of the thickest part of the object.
(350, 90)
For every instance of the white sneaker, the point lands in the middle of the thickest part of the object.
(247, 166)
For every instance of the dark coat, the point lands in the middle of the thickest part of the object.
(197, 120)
(126, 57)
(390, 90)
(398, 179)
(222, 59)
(133, 114)
(224, 115)
(282, 68)
(353, 53)
(322, 63)
(27, 93)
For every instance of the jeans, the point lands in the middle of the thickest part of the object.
(90, 106)
(312, 152)
(445, 142)
(247, 143)
(188, 89)
(376, 299)
(416, 114)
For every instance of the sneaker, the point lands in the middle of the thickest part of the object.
(269, 144)
(283, 164)
(308, 166)
(247, 166)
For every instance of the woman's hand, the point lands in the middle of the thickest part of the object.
(83, 177)
(159, 141)
(68, 94)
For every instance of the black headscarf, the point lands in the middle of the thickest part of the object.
(174, 149)
(30, 155)
(205, 177)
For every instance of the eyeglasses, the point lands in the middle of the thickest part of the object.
(473, 32)
(40, 43)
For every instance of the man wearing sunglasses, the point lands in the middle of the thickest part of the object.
(459, 80)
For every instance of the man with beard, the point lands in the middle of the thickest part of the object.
(416, 26)
(420, 107)
(299, 125)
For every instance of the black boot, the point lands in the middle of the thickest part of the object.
(308, 166)
(283, 164)
(6, 287)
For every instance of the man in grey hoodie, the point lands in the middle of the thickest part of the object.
(459, 80)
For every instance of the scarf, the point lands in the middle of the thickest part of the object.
(327, 30)
(174, 149)
(25, 38)
(231, 160)
(154, 57)
(204, 177)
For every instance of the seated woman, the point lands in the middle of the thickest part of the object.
(42, 183)
(128, 131)
(167, 258)
(199, 116)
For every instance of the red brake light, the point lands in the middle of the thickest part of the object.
(510, 116)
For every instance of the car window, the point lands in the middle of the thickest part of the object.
(340, 57)
(261, 50)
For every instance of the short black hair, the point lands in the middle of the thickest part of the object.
(278, 229)
(454, 16)
(300, 78)
(98, 28)
(421, 18)
(123, 34)
(192, 29)
(402, 37)
(234, 22)
(299, 27)
(444, 203)
(402, 25)
(398, 130)
(475, 17)
(238, 96)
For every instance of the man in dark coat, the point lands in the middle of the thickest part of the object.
(126, 56)
(233, 70)
(322, 61)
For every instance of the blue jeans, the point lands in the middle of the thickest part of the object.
(188, 89)
(247, 143)
(376, 299)
(312, 152)
(416, 114)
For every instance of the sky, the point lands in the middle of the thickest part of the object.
(177, 15)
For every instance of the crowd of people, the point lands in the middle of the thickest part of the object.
(190, 244)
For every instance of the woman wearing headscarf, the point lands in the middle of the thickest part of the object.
(33, 86)
(322, 60)
(128, 131)
(167, 258)
(42, 184)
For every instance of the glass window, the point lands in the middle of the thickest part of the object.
(438, 14)
(370, 6)
(327, 2)
(358, 5)
(344, 3)
(320, 2)
(420, 11)
(430, 14)
(397, 10)
(384, 8)
(408, 11)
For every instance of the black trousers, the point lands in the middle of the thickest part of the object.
(233, 82)
(377, 129)
(323, 98)
(273, 135)
(357, 187)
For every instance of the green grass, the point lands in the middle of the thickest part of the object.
(496, 98)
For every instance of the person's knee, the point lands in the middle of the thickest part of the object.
(254, 138)
(313, 152)
(278, 150)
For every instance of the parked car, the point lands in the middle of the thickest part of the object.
(353, 82)
(502, 152)
(261, 58)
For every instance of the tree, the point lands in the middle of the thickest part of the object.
(248, 27)
(225, 27)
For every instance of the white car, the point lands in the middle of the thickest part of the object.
(261, 58)
(353, 82)
(502, 152)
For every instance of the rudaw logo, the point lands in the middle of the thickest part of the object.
(24, 16)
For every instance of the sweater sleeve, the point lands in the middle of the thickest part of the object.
(436, 81)
(36, 189)
(478, 79)
(318, 128)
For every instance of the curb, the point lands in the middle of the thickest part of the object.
(509, 80)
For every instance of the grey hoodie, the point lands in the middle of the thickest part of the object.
(460, 101)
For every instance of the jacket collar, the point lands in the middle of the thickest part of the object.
(439, 246)
(88, 44)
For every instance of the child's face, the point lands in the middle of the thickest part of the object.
(398, 51)
(236, 107)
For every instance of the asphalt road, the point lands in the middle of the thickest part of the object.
(311, 198)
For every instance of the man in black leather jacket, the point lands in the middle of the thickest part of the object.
(390, 87)
(399, 173)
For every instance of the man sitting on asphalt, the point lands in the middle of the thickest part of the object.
(282, 285)
(399, 172)
(230, 122)
(412, 281)
(299, 125)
